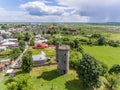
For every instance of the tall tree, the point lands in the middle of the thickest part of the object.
(27, 62)
(89, 71)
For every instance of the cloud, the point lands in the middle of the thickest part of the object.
(97, 10)
(40, 9)
(23, 16)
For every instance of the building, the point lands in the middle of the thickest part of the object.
(10, 44)
(4, 64)
(52, 27)
(40, 45)
(62, 58)
(72, 30)
(39, 59)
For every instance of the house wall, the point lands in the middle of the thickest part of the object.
(40, 62)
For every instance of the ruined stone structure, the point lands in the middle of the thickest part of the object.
(62, 58)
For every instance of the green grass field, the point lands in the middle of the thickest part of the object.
(45, 78)
(108, 55)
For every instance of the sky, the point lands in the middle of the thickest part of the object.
(59, 11)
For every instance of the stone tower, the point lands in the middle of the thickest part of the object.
(62, 58)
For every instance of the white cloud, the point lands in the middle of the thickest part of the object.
(40, 9)
(22, 16)
(97, 10)
(53, 13)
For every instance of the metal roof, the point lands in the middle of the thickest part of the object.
(39, 57)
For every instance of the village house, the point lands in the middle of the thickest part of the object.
(4, 64)
(51, 27)
(40, 43)
(10, 42)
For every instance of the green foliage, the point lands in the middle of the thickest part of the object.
(89, 71)
(27, 62)
(113, 43)
(4, 35)
(115, 69)
(101, 41)
(96, 35)
(17, 35)
(27, 36)
(15, 52)
(21, 43)
(74, 56)
(103, 67)
(20, 82)
(32, 42)
(113, 80)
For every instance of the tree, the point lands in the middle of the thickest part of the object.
(21, 82)
(113, 80)
(27, 36)
(15, 52)
(27, 62)
(4, 35)
(21, 42)
(89, 71)
(32, 42)
(101, 41)
(17, 35)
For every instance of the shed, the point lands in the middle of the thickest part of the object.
(39, 59)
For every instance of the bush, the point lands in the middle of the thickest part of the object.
(96, 36)
(113, 81)
(113, 43)
(115, 69)
(104, 68)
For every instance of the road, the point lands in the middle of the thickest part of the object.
(20, 57)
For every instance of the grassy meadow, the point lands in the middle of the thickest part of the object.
(107, 54)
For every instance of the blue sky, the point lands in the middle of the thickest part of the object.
(59, 10)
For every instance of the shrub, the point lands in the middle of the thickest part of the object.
(104, 68)
(113, 81)
(115, 69)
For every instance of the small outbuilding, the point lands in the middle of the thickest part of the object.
(39, 59)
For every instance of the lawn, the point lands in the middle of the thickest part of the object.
(45, 78)
(49, 52)
(108, 55)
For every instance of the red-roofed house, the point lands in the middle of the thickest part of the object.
(40, 45)
(52, 27)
